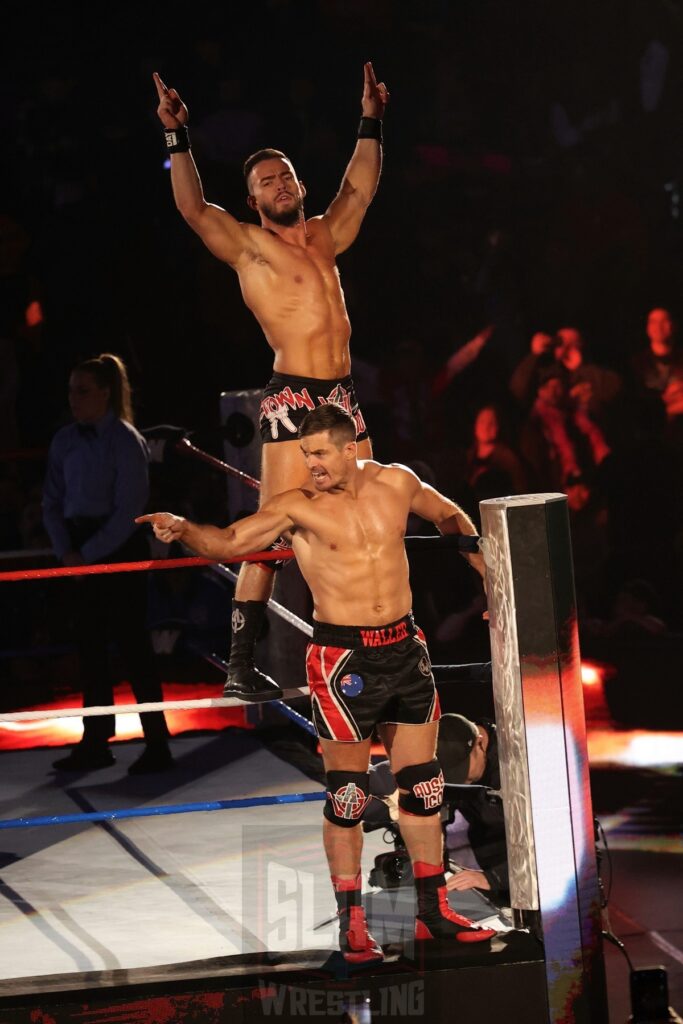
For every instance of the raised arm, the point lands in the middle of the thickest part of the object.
(460, 360)
(448, 517)
(221, 233)
(359, 184)
(254, 533)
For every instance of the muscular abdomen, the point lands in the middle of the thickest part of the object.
(299, 304)
(351, 589)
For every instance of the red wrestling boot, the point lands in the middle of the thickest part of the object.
(355, 941)
(435, 919)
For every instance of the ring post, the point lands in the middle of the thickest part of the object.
(239, 413)
(542, 741)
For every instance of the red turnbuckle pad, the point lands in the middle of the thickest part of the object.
(356, 942)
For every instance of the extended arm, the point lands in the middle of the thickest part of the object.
(448, 517)
(359, 184)
(254, 533)
(221, 233)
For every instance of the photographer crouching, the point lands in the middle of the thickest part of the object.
(472, 814)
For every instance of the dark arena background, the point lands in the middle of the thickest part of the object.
(515, 296)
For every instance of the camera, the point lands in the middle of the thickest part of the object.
(392, 869)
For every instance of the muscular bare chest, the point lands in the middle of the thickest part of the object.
(360, 529)
(279, 275)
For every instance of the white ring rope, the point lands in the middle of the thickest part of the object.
(134, 709)
(273, 606)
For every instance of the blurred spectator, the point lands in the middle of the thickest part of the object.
(662, 361)
(591, 387)
(561, 443)
(493, 468)
(658, 370)
(96, 484)
(525, 377)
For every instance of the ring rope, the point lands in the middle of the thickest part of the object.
(153, 563)
(187, 448)
(278, 705)
(97, 710)
(274, 606)
(151, 812)
(442, 673)
(459, 542)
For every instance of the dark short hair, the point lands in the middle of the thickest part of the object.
(332, 417)
(457, 736)
(257, 157)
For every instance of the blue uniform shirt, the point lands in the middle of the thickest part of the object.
(96, 472)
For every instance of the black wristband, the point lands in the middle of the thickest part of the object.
(370, 128)
(177, 139)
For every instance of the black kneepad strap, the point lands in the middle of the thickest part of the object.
(424, 785)
(348, 794)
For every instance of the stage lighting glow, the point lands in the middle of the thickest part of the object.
(590, 675)
(58, 732)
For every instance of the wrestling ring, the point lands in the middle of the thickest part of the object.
(115, 910)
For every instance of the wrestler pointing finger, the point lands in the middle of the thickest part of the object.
(347, 527)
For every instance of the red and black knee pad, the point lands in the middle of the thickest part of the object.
(424, 788)
(348, 794)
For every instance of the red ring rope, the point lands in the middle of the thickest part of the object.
(159, 563)
(187, 448)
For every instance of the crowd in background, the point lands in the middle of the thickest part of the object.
(514, 293)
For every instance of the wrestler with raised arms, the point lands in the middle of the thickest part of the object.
(289, 280)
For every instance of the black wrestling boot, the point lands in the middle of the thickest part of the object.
(244, 680)
(435, 919)
(355, 941)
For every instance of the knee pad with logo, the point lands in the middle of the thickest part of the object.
(348, 794)
(424, 785)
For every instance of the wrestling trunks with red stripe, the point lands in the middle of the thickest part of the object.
(361, 676)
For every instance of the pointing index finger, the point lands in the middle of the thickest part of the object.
(161, 88)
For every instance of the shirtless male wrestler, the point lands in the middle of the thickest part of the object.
(290, 282)
(347, 528)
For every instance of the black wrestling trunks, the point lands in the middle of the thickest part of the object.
(361, 676)
(287, 399)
